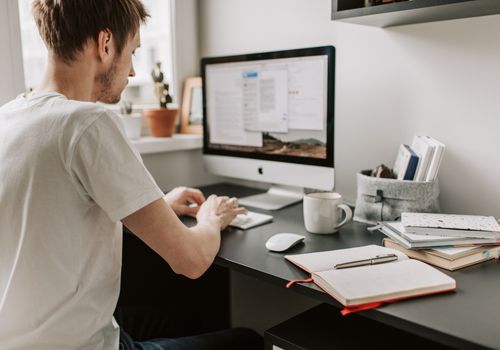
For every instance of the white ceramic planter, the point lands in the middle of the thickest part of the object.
(132, 124)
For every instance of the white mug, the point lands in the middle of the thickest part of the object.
(322, 212)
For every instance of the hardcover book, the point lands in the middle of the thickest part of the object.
(406, 163)
(448, 258)
(397, 232)
(425, 151)
(474, 226)
(437, 158)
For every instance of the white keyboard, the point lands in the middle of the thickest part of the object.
(250, 219)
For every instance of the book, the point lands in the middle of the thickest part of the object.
(448, 258)
(369, 286)
(425, 152)
(472, 226)
(437, 157)
(406, 163)
(396, 231)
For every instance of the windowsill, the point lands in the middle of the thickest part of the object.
(178, 142)
(137, 107)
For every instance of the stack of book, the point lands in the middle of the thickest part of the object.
(420, 161)
(444, 240)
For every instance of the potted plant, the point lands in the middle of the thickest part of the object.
(161, 120)
(132, 122)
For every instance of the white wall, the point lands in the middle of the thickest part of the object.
(11, 64)
(186, 42)
(440, 79)
(180, 168)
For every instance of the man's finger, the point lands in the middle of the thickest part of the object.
(223, 199)
(233, 201)
(190, 210)
(240, 210)
(196, 195)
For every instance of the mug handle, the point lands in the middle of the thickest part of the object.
(348, 215)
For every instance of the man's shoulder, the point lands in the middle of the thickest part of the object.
(55, 107)
(77, 118)
(86, 110)
(80, 115)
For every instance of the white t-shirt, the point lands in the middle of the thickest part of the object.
(68, 176)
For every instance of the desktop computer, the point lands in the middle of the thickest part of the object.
(269, 117)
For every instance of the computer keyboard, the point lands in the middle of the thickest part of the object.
(250, 219)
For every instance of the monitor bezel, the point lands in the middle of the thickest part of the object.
(328, 51)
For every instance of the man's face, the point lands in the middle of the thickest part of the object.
(111, 83)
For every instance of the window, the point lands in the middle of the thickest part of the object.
(156, 45)
(34, 51)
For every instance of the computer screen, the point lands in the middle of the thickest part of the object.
(270, 116)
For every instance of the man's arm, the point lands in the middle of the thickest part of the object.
(188, 251)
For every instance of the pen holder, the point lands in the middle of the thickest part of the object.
(380, 199)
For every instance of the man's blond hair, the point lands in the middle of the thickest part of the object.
(66, 25)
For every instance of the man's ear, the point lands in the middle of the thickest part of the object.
(105, 45)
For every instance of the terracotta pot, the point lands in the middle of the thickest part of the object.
(161, 121)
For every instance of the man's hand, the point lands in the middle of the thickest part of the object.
(188, 250)
(180, 199)
(222, 209)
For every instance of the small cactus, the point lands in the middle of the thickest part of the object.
(161, 88)
(126, 107)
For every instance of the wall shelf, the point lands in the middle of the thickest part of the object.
(178, 142)
(411, 12)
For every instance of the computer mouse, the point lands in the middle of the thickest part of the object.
(283, 241)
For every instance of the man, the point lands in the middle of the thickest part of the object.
(68, 176)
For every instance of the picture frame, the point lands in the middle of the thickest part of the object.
(192, 107)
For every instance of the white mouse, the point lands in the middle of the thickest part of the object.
(283, 241)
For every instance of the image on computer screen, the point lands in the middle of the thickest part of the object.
(270, 106)
(269, 117)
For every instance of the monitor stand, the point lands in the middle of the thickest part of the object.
(275, 198)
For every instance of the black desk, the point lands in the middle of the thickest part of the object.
(469, 318)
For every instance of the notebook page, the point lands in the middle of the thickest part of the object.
(381, 282)
(320, 261)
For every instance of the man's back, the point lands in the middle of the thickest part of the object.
(60, 247)
(68, 177)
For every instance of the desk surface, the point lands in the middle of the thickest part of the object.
(468, 318)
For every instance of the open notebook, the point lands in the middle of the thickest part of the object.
(366, 287)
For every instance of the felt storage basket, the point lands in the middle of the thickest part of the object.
(380, 199)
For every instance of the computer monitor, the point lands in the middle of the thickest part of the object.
(269, 117)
